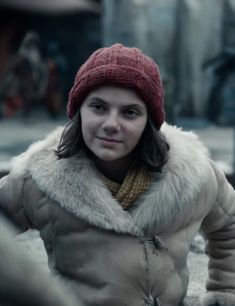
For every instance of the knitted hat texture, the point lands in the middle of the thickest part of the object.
(123, 66)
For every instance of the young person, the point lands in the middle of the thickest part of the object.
(118, 195)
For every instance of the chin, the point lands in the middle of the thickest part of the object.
(108, 158)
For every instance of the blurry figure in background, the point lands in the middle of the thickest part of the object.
(34, 82)
(221, 99)
(56, 65)
(10, 93)
(26, 79)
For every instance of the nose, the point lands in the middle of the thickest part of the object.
(111, 124)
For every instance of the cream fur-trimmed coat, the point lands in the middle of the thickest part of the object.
(137, 257)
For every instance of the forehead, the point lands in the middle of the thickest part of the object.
(113, 94)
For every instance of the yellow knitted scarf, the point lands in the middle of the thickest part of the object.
(135, 183)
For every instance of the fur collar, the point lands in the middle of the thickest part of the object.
(75, 185)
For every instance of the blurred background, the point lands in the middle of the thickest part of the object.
(43, 43)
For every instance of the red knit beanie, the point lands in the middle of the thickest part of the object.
(123, 66)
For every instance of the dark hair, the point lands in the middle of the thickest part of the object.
(71, 140)
(152, 150)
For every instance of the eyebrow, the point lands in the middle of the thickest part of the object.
(97, 99)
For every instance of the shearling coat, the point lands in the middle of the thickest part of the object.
(137, 257)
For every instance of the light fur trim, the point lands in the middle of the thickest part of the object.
(180, 183)
(74, 183)
(19, 163)
(191, 301)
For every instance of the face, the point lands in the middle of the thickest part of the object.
(113, 120)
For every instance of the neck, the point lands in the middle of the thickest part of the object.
(114, 170)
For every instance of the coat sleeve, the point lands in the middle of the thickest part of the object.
(11, 201)
(218, 229)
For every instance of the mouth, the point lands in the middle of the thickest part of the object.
(111, 140)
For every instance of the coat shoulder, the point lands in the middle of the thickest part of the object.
(187, 152)
(184, 141)
(20, 163)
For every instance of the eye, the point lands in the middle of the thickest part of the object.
(98, 107)
(131, 113)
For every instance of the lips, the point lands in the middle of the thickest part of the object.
(111, 140)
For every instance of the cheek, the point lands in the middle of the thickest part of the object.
(86, 125)
(83, 127)
(86, 132)
(136, 130)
